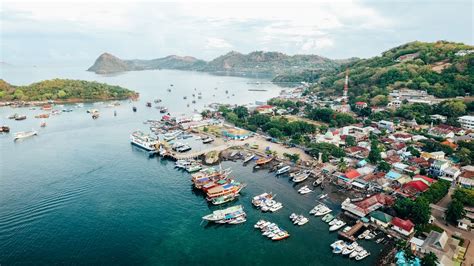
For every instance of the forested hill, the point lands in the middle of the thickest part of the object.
(232, 63)
(63, 90)
(444, 69)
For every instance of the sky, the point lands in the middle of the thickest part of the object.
(34, 32)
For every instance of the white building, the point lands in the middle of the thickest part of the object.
(466, 121)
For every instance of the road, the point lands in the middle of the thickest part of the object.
(438, 213)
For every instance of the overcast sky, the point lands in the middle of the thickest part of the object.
(44, 31)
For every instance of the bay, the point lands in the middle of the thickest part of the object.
(79, 193)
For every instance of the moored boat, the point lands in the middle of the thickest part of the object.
(226, 215)
(263, 160)
(249, 158)
(301, 177)
(25, 134)
(144, 141)
(283, 170)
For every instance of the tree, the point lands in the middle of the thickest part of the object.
(455, 211)
(379, 100)
(350, 141)
(421, 211)
(342, 165)
(413, 151)
(295, 157)
(62, 94)
(384, 166)
(374, 154)
(429, 259)
(452, 108)
(241, 111)
(275, 132)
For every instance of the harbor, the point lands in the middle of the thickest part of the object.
(144, 196)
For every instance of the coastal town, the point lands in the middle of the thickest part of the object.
(399, 167)
(405, 184)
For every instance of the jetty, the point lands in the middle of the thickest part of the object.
(349, 235)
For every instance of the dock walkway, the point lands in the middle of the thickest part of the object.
(354, 229)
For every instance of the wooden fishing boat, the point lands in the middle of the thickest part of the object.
(264, 160)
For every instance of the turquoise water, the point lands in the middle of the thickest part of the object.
(79, 193)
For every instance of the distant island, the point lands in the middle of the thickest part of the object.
(232, 63)
(63, 91)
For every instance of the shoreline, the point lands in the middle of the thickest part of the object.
(68, 101)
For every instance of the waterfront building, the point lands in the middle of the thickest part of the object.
(466, 121)
(381, 218)
(404, 227)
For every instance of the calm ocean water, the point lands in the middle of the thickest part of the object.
(79, 193)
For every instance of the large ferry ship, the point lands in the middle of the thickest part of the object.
(144, 141)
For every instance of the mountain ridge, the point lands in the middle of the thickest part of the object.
(232, 63)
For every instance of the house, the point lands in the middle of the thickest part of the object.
(437, 155)
(441, 132)
(393, 175)
(442, 245)
(350, 175)
(265, 109)
(357, 152)
(367, 205)
(402, 137)
(466, 121)
(395, 104)
(381, 218)
(413, 188)
(361, 105)
(387, 125)
(419, 162)
(440, 118)
(437, 167)
(465, 224)
(236, 133)
(450, 173)
(404, 227)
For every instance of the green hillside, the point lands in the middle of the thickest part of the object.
(63, 90)
(433, 67)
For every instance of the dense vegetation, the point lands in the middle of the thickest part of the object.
(333, 118)
(276, 127)
(419, 210)
(434, 68)
(63, 90)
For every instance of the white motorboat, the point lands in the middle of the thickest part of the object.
(323, 196)
(302, 188)
(332, 222)
(305, 191)
(337, 225)
(25, 134)
(362, 255)
(301, 177)
(207, 140)
(337, 249)
(172, 135)
(356, 252)
(323, 210)
(283, 170)
(364, 234)
(226, 215)
(249, 158)
(350, 248)
(276, 207)
(337, 242)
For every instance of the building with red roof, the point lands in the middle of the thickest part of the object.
(404, 227)
(351, 174)
(361, 105)
(367, 205)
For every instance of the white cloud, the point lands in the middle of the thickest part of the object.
(315, 45)
(217, 43)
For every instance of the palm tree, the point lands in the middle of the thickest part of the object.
(430, 259)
